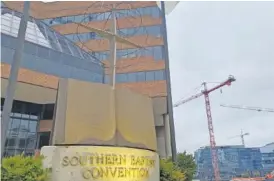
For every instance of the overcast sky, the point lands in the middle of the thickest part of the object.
(209, 41)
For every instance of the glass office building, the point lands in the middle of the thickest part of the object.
(268, 157)
(234, 161)
(56, 46)
(22, 130)
(155, 51)
(48, 52)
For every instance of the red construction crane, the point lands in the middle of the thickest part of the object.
(206, 92)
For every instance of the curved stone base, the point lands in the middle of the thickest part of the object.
(101, 163)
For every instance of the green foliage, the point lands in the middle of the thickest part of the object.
(170, 172)
(23, 168)
(186, 164)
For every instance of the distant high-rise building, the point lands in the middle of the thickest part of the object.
(268, 157)
(234, 161)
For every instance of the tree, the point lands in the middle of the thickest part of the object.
(186, 164)
(170, 172)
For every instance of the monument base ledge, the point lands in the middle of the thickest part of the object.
(101, 163)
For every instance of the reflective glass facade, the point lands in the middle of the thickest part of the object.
(22, 129)
(234, 161)
(47, 51)
(154, 51)
(144, 11)
(125, 32)
(23, 134)
(40, 34)
(141, 30)
(268, 157)
(139, 76)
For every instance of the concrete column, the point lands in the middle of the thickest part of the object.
(15, 65)
(167, 136)
(168, 81)
(161, 141)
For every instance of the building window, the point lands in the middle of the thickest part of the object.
(145, 76)
(121, 78)
(141, 30)
(141, 76)
(150, 76)
(156, 52)
(102, 55)
(126, 32)
(44, 138)
(2, 103)
(132, 77)
(21, 135)
(144, 11)
(48, 111)
(159, 75)
(22, 128)
(83, 37)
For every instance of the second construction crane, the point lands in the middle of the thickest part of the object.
(259, 109)
(206, 92)
(242, 135)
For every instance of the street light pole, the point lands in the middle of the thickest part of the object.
(13, 75)
(169, 96)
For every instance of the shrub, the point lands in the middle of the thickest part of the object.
(23, 168)
(185, 162)
(170, 172)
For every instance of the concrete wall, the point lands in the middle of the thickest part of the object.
(30, 93)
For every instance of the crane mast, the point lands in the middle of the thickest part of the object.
(242, 135)
(206, 92)
(211, 136)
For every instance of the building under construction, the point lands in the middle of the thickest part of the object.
(268, 157)
(233, 161)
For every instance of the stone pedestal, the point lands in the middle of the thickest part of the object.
(101, 163)
(95, 114)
